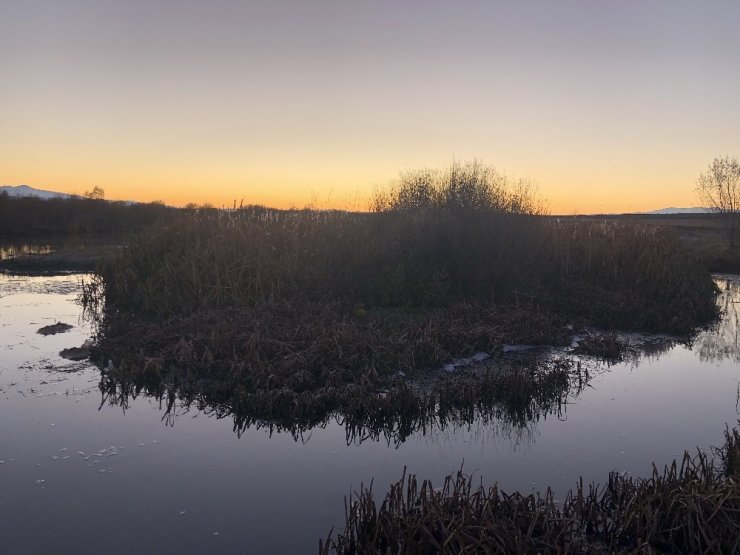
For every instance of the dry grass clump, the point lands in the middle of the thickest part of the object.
(689, 507)
(303, 347)
(606, 346)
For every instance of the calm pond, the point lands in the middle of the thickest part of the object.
(81, 475)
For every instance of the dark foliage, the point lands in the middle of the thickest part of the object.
(33, 216)
(692, 506)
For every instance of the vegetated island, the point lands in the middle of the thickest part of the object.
(290, 315)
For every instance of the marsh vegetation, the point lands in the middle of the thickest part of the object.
(30, 217)
(441, 239)
(291, 310)
(519, 416)
(299, 320)
(691, 506)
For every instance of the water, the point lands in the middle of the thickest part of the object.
(84, 477)
(11, 250)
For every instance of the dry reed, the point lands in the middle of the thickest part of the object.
(301, 304)
(692, 506)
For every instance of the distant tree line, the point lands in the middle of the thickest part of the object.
(33, 216)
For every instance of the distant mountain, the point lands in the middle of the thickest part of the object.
(26, 191)
(672, 210)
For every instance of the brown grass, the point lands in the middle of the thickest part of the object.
(628, 276)
(701, 234)
(298, 364)
(607, 347)
(613, 275)
(283, 303)
(692, 506)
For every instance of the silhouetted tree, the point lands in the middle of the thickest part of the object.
(98, 193)
(719, 190)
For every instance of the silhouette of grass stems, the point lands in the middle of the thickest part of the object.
(692, 506)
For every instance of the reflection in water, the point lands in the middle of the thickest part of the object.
(720, 342)
(509, 396)
(13, 250)
(621, 418)
(652, 349)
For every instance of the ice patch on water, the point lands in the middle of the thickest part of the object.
(517, 348)
(466, 361)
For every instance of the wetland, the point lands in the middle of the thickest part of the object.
(253, 380)
(87, 462)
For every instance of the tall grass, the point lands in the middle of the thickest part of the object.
(692, 506)
(448, 263)
(473, 237)
(628, 276)
(433, 239)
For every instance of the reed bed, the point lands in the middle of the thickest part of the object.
(629, 276)
(433, 240)
(691, 506)
(224, 259)
(253, 302)
(305, 347)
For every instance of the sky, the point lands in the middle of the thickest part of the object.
(608, 105)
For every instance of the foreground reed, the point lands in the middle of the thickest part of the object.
(692, 506)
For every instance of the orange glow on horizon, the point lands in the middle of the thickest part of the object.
(608, 108)
(345, 192)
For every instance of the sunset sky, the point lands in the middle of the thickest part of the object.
(607, 105)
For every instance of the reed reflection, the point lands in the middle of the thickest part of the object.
(508, 398)
(13, 250)
(722, 341)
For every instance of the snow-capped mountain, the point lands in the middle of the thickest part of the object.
(26, 191)
(672, 210)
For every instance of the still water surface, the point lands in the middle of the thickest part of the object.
(78, 475)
